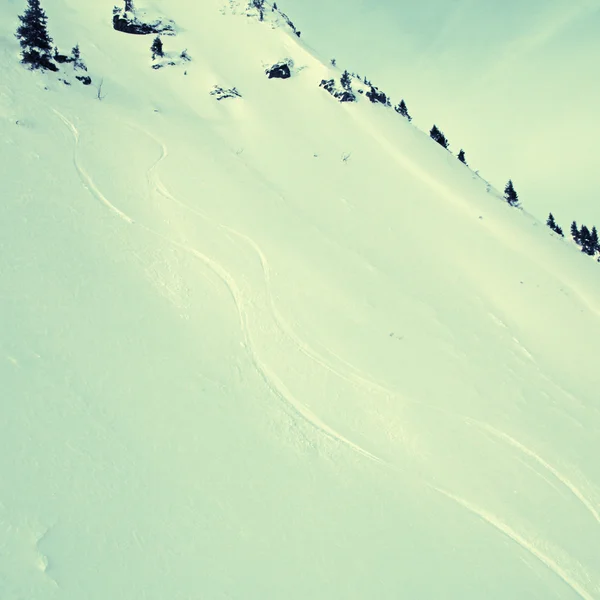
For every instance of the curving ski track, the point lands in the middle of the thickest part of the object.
(87, 181)
(566, 482)
(503, 528)
(270, 379)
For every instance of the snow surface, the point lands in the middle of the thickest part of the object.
(236, 365)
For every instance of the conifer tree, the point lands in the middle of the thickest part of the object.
(438, 136)
(129, 6)
(584, 240)
(402, 110)
(36, 43)
(461, 157)
(75, 58)
(554, 225)
(575, 232)
(157, 48)
(510, 195)
(346, 81)
(594, 243)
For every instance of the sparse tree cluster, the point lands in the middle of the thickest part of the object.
(588, 240)
(36, 44)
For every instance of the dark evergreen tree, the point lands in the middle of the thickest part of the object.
(575, 232)
(585, 240)
(439, 137)
(36, 43)
(554, 225)
(346, 80)
(333, 62)
(594, 245)
(461, 157)
(510, 195)
(129, 6)
(157, 48)
(75, 58)
(402, 110)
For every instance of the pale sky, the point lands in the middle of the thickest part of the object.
(516, 84)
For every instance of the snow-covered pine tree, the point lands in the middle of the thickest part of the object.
(157, 48)
(437, 135)
(554, 225)
(75, 58)
(575, 232)
(585, 240)
(510, 195)
(402, 110)
(594, 243)
(36, 43)
(346, 80)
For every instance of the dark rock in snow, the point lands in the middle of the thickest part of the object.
(374, 95)
(61, 58)
(279, 71)
(134, 26)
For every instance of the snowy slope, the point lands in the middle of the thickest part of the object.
(235, 365)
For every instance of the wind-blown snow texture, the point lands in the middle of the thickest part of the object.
(235, 365)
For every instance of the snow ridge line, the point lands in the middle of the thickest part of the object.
(273, 383)
(505, 437)
(503, 528)
(87, 181)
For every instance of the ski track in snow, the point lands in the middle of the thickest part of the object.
(346, 371)
(505, 437)
(87, 181)
(503, 528)
(272, 382)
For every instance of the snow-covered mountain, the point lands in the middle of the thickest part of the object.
(275, 345)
